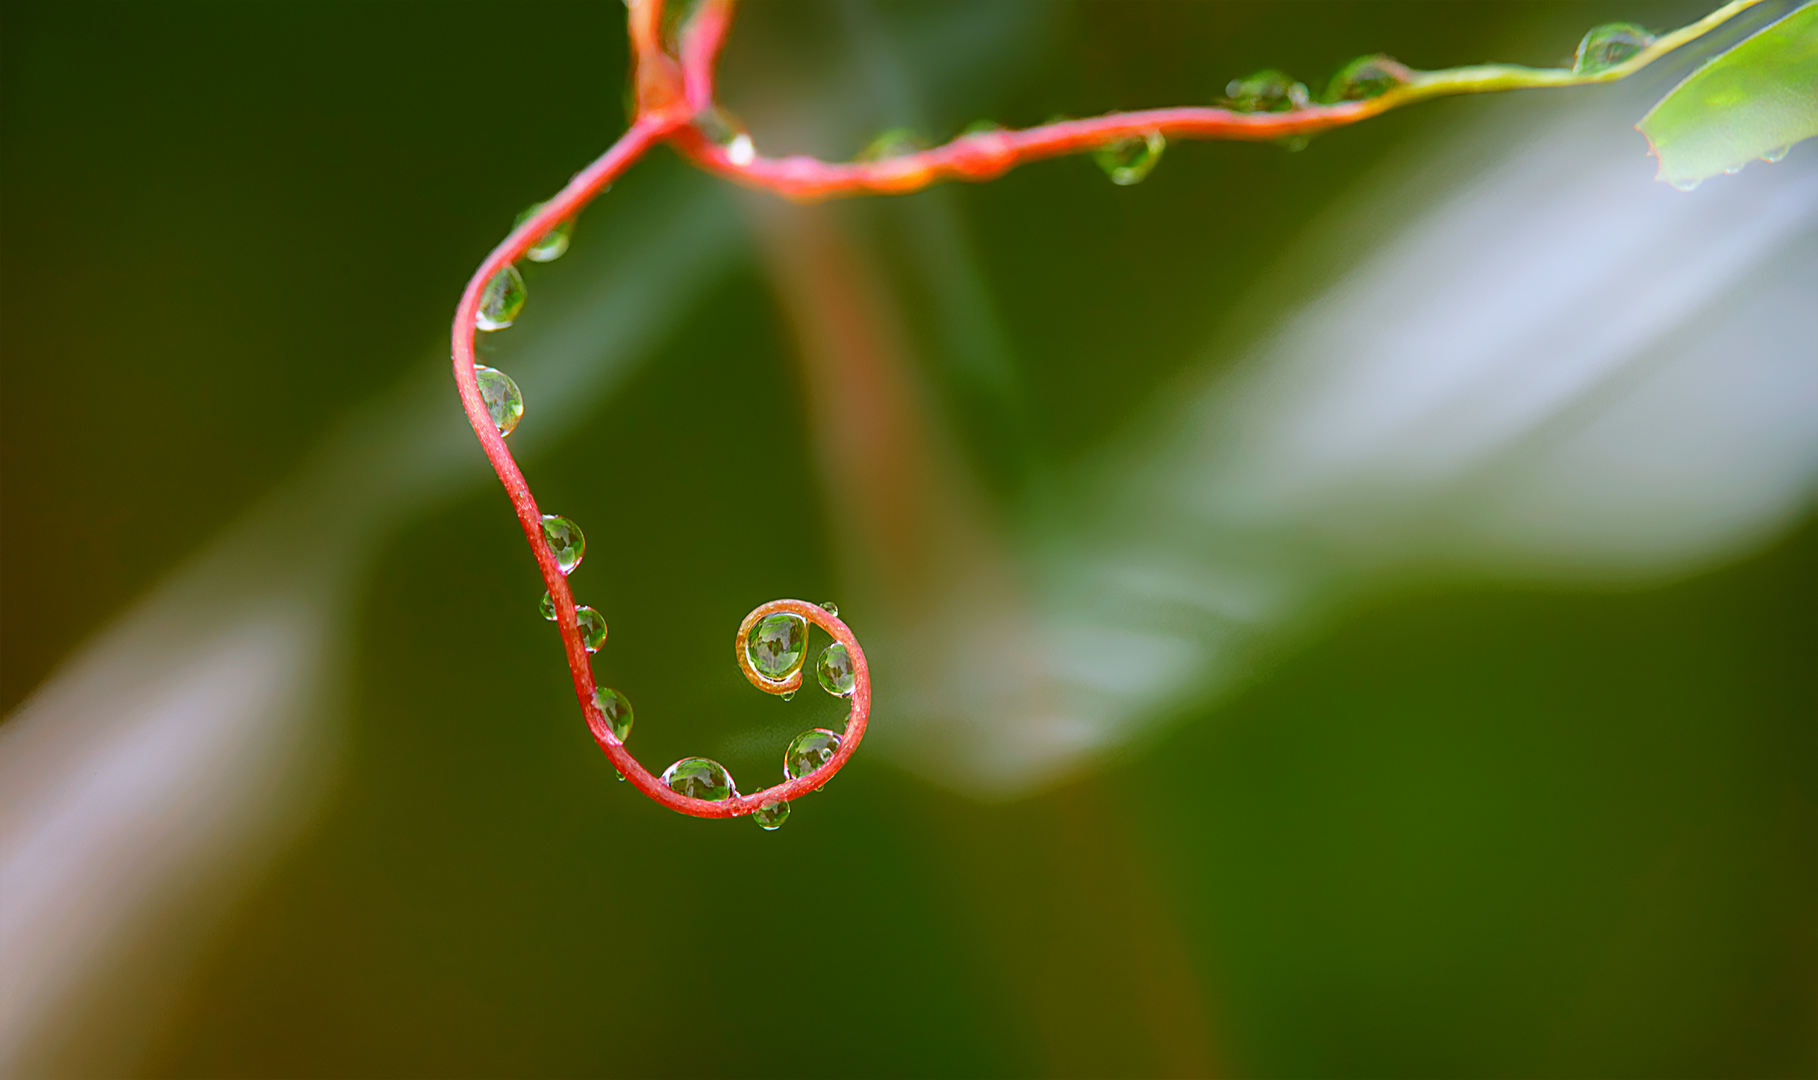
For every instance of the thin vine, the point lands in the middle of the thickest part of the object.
(675, 104)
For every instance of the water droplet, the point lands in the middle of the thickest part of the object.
(565, 542)
(1778, 153)
(501, 397)
(776, 645)
(620, 775)
(1294, 144)
(1266, 91)
(809, 751)
(700, 778)
(830, 608)
(1368, 77)
(771, 815)
(593, 628)
(981, 127)
(1609, 45)
(616, 708)
(1127, 161)
(547, 607)
(895, 142)
(787, 695)
(724, 130)
(835, 670)
(553, 243)
(1684, 185)
(501, 301)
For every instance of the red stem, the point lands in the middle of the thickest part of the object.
(672, 93)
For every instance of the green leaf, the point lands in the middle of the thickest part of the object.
(1754, 101)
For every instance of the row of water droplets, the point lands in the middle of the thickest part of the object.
(776, 648)
(1129, 161)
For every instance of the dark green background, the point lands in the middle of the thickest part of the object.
(1467, 831)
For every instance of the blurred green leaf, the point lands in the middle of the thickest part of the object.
(1754, 101)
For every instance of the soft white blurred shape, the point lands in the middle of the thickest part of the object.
(1532, 362)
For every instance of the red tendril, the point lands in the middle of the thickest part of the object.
(675, 94)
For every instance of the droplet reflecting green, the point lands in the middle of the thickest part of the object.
(787, 695)
(1266, 91)
(547, 607)
(553, 243)
(503, 402)
(1609, 45)
(835, 671)
(895, 142)
(771, 815)
(809, 751)
(830, 608)
(1367, 77)
(1778, 153)
(616, 708)
(501, 301)
(776, 644)
(565, 542)
(1128, 161)
(593, 628)
(981, 127)
(700, 778)
(726, 131)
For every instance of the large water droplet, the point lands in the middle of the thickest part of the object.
(1266, 91)
(809, 751)
(724, 130)
(776, 644)
(501, 300)
(1368, 77)
(834, 669)
(1778, 153)
(547, 607)
(1129, 160)
(1606, 46)
(553, 243)
(771, 815)
(593, 628)
(830, 608)
(616, 708)
(895, 142)
(501, 396)
(565, 542)
(700, 778)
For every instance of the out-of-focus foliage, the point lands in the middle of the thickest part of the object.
(1754, 101)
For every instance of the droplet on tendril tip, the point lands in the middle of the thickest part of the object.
(809, 751)
(771, 815)
(501, 301)
(1266, 91)
(593, 628)
(1367, 77)
(1128, 161)
(830, 608)
(1608, 46)
(547, 607)
(776, 644)
(700, 778)
(500, 395)
(616, 708)
(553, 243)
(1778, 153)
(565, 542)
(834, 669)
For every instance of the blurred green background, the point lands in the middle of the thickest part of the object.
(1461, 830)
